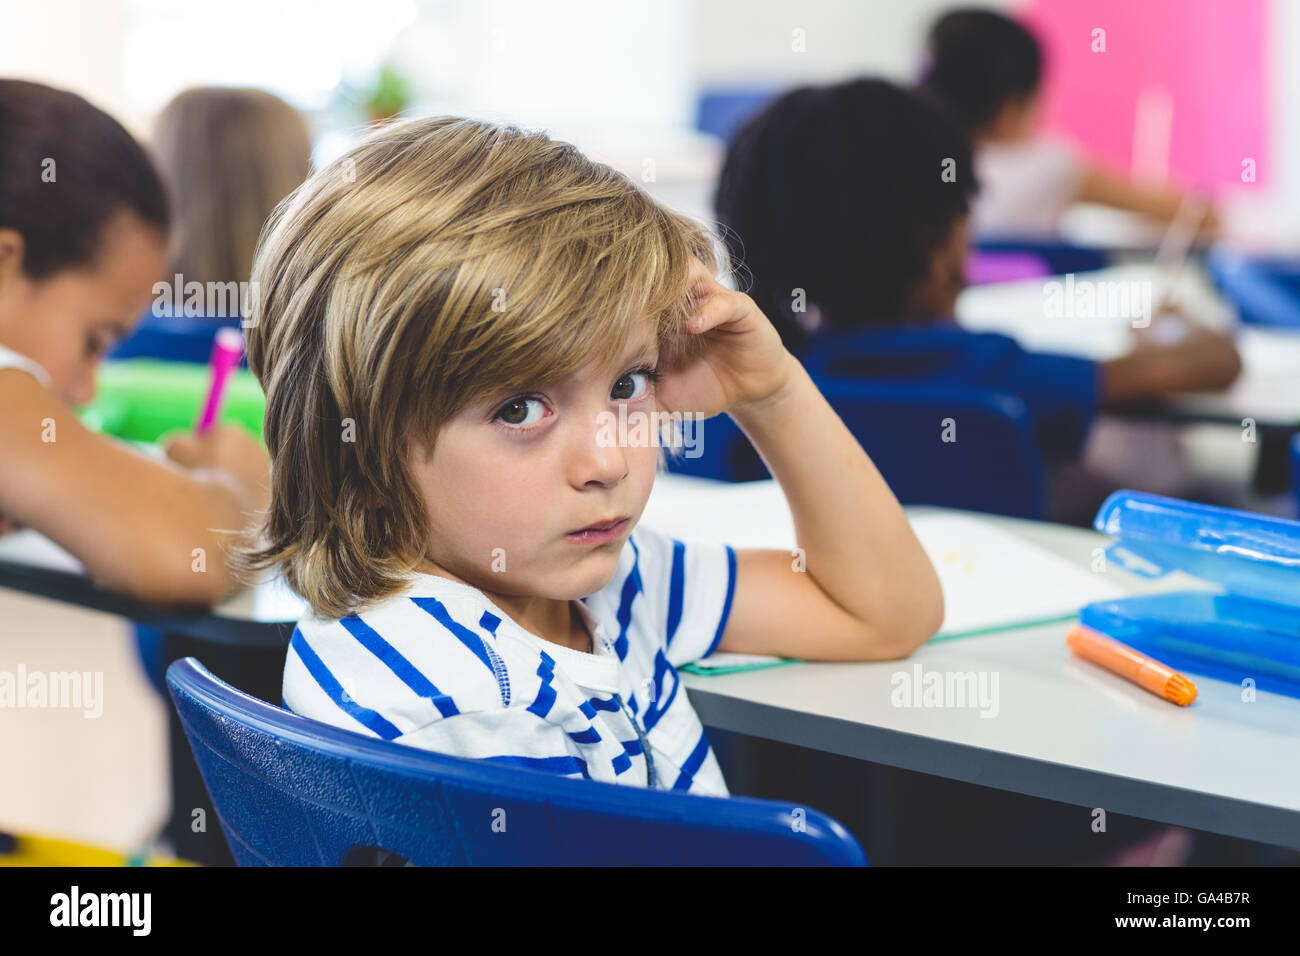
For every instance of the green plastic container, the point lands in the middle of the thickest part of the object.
(143, 399)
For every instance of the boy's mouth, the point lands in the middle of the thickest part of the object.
(599, 533)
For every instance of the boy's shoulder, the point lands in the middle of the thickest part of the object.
(427, 653)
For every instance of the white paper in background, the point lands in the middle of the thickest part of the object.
(990, 577)
(32, 547)
(27, 546)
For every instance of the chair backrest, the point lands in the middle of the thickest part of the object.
(1264, 290)
(723, 111)
(935, 445)
(1059, 257)
(296, 792)
(176, 338)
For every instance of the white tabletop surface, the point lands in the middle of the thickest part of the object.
(1060, 728)
(1063, 728)
(1268, 389)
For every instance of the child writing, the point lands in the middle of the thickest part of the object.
(228, 155)
(447, 314)
(83, 222)
(839, 191)
(986, 68)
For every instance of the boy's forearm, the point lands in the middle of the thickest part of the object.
(858, 544)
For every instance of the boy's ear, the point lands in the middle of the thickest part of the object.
(12, 252)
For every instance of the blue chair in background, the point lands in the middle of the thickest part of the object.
(176, 338)
(1265, 290)
(1059, 257)
(994, 465)
(723, 112)
(290, 791)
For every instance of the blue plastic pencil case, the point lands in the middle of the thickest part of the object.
(1247, 629)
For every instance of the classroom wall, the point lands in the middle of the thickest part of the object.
(621, 78)
(1163, 89)
(750, 41)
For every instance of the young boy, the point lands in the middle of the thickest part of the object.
(448, 314)
(841, 192)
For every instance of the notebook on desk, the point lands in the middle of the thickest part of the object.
(992, 580)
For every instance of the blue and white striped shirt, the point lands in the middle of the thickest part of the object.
(442, 667)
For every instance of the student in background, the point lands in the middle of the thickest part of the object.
(227, 155)
(986, 69)
(83, 220)
(839, 191)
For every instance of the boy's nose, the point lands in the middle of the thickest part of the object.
(601, 459)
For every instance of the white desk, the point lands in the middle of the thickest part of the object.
(1064, 729)
(1268, 389)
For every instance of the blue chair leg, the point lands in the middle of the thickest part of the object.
(149, 645)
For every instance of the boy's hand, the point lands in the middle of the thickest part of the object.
(740, 360)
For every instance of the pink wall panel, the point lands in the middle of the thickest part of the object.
(1210, 57)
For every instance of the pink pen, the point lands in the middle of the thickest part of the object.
(227, 347)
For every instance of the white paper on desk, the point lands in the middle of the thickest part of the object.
(720, 659)
(32, 547)
(993, 579)
(990, 577)
(27, 546)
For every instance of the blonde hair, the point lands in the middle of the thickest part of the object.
(440, 263)
(228, 156)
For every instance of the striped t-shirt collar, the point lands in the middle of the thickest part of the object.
(597, 671)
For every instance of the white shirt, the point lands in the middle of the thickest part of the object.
(1024, 187)
(11, 359)
(442, 667)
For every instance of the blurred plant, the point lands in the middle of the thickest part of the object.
(385, 96)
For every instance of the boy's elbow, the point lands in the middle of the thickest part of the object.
(917, 618)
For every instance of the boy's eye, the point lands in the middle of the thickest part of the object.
(630, 386)
(521, 411)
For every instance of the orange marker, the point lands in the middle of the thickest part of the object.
(1147, 673)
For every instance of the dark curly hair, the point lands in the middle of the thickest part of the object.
(978, 61)
(841, 191)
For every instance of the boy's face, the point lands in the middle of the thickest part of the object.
(511, 482)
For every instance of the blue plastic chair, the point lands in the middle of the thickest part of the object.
(290, 791)
(175, 338)
(723, 112)
(1264, 290)
(1060, 257)
(993, 466)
